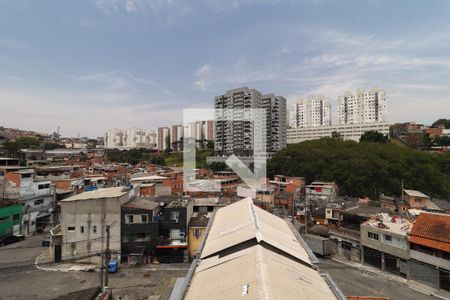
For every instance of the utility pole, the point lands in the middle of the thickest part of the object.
(102, 266)
(308, 195)
(107, 255)
(402, 190)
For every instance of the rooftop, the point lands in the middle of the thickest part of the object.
(243, 221)
(256, 273)
(112, 192)
(391, 224)
(432, 230)
(142, 203)
(147, 178)
(414, 193)
(199, 220)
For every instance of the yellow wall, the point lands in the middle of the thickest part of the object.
(193, 242)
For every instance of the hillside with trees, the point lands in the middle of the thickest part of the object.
(365, 168)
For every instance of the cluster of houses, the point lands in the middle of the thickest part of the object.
(153, 219)
(408, 236)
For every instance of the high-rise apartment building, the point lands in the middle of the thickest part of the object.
(163, 138)
(129, 138)
(234, 132)
(362, 107)
(176, 137)
(315, 111)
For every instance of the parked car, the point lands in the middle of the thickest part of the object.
(46, 242)
(11, 239)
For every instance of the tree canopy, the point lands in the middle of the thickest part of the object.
(365, 169)
(374, 137)
(445, 122)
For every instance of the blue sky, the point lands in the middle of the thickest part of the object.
(89, 65)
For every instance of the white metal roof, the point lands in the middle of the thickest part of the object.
(256, 273)
(111, 192)
(145, 178)
(414, 193)
(243, 221)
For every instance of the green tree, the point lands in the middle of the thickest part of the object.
(336, 135)
(445, 122)
(26, 142)
(12, 148)
(50, 146)
(442, 140)
(374, 136)
(365, 169)
(217, 166)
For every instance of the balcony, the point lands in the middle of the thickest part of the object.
(345, 232)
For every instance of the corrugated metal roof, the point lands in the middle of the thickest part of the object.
(431, 230)
(256, 273)
(111, 192)
(243, 221)
(414, 193)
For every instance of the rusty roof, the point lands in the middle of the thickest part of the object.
(432, 230)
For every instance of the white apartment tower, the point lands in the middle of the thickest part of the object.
(234, 130)
(163, 138)
(129, 138)
(176, 137)
(315, 111)
(362, 107)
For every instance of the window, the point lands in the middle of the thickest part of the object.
(71, 228)
(372, 236)
(197, 233)
(44, 186)
(16, 218)
(26, 175)
(82, 229)
(388, 238)
(129, 219)
(94, 229)
(4, 219)
(38, 201)
(144, 218)
(175, 215)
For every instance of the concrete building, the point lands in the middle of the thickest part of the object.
(348, 132)
(362, 107)
(84, 217)
(234, 130)
(384, 242)
(429, 243)
(276, 122)
(176, 137)
(315, 111)
(321, 193)
(202, 131)
(139, 230)
(35, 193)
(129, 138)
(163, 138)
(197, 228)
(416, 199)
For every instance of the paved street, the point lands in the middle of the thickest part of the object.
(23, 252)
(19, 279)
(354, 282)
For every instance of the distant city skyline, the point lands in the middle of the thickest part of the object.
(91, 65)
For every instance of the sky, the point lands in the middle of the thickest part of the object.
(90, 65)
